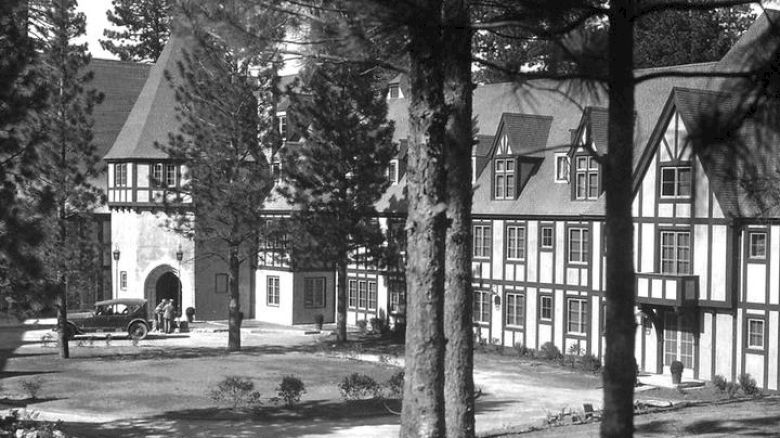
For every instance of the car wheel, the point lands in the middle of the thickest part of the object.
(138, 330)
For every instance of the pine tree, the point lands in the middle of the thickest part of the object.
(339, 170)
(22, 94)
(145, 27)
(68, 158)
(458, 314)
(221, 143)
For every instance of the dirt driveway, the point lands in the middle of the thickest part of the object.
(159, 387)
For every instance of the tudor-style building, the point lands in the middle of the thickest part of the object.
(707, 253)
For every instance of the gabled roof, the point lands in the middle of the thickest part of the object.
(121, 83)
(527, 133)
(154, 113)
(595, 121)
(740, 160)
(482, 145)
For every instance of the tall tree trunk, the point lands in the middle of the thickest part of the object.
(458, 331)
(423, 405)
(619, 366)
(61, 304)
(341, 298)
(234, 307)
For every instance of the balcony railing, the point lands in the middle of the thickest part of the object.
(667, 290)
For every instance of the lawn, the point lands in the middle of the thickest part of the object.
(118, 381)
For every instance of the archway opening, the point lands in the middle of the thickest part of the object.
(163, 283)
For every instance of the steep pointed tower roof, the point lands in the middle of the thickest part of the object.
(153, 116)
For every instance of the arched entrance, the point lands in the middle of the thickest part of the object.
(162, 283)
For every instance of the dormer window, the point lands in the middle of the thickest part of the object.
(394, 91)
(276, 170)
(392, 172)
(504, 178)
(676, 181)
(282, 125)
(561, 168)
(586, 178)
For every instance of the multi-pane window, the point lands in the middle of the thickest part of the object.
(515, 309)
(397, 292)
(577, 315)
(120, 175)
(758, 245)
(372, 295)
(394, 91)
(504, 182)
(314, 292)
(157, 174)
(482, 239)
(515, 243)
(362, 295)
(392, 171)
(272, 291)
(352, 294)
(561, 168)
(221, 283)
(283, 126)
(586, 177)
(675, 252)
(678, 339)
(170, 175)
(578, 245)
(276, 170)
(545, 307)
(755, 336)
(676, 182)
(481, 306)
(123, 280)
(547, 237)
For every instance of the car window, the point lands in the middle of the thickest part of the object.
(121, 309)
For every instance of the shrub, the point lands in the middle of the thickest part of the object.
(358, 387)
(362, 326)
(550, 352)
(521, 350)
(290, 390)
(237, 391)
(676, 367)
(748, 384)
(720, 382)
(319, 319)
(395, 385)
(732, 389)
(590, 363)
(31, 387)
(379, 325)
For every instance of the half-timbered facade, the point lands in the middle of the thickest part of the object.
(707, 254)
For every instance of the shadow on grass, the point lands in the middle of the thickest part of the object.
(311, 417)
(153, 352)
(7, 374)
(737, 426)
(15, 403)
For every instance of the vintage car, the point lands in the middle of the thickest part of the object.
(124, 315)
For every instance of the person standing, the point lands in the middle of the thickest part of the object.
(158, 315)
(168, 313)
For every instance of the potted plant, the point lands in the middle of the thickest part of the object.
(318, 320)
(677, 369)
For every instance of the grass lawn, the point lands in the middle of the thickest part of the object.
(124, 381)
